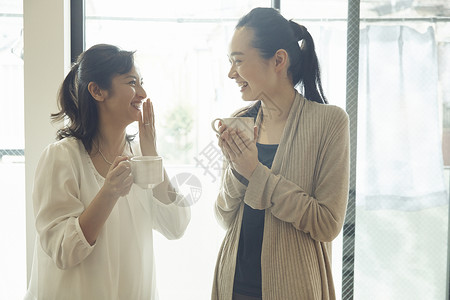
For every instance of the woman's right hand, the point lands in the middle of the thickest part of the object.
(239, 150)
(119, 179)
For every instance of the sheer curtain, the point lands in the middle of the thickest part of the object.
(401, 216)
(399, 143)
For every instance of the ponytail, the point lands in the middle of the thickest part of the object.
(305, 67)
(67, 103)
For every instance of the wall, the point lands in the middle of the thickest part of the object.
(46, 61)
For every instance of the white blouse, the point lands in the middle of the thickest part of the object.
(120, 263)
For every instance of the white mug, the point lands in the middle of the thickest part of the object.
(147, 171)
(243, 124)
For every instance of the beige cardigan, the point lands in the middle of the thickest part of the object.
(305, 198)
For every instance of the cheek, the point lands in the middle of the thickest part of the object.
(253, 74)
(126, 95)
(245, 74)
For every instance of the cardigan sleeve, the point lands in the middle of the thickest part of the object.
(322, 214)
(231, 195)
(57, 206)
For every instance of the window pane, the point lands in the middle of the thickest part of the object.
(198, 9)
(11, 7)
(404, 9)
(182, 55)
(12, 169)
(315, 9)
(402, 193)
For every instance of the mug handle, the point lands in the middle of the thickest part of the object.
(213, 124)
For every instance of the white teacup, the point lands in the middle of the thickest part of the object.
(147, 171)
(243, 124)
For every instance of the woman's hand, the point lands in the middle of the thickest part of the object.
(147, 134)
(119, 179)
(239, 150)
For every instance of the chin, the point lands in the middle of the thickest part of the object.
(248, 98)
(251, 95)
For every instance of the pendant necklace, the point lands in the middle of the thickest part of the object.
(103, 156)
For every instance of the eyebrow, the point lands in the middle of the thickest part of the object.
(134, 77)
(236, 53)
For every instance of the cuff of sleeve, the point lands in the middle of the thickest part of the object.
(81, 236)
(260, 188)
(232, 186)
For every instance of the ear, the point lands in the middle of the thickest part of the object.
(96, 92)
(281, 60)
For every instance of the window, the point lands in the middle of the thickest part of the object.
(182, 56)
(181, 51)
(401, 233)
(12, 168)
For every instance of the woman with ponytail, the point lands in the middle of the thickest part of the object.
(94, 226)
(284, 193)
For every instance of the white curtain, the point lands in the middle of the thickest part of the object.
(399, 164)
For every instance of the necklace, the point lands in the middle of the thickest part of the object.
(104, 158)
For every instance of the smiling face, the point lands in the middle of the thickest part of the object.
(252, 73)
(123, 100)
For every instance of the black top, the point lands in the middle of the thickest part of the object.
(247, 279)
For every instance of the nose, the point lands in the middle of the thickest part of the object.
(232, 73)
(140, 91)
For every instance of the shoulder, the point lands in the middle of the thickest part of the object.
(67, 149)
(68, 144)
(60, 157)
(325, 119)
(329, 112)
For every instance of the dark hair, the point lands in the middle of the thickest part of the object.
(273, 32)
(98, 64)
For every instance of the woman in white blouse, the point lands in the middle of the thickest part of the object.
(94, 226)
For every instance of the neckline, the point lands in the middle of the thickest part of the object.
(91, 164)
(267, 145)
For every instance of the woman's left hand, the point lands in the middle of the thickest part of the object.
(147, 134)
(240, 151)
